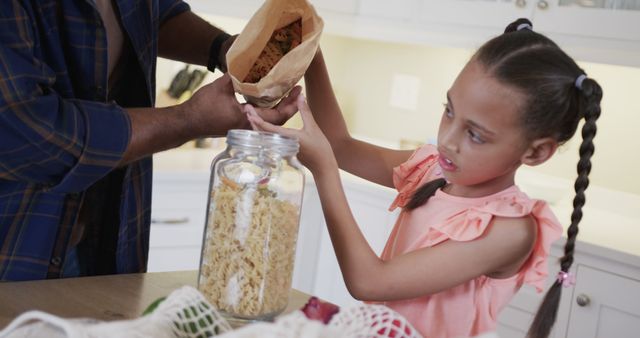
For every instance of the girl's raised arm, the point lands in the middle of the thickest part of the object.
(500, 251)
(362, 159)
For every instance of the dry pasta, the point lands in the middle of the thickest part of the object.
(248, 251)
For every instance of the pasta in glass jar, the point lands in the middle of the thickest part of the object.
(251, 229)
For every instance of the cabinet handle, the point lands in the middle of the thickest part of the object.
(543, 4)
(521, 3)
(583, 300)
(176, 220)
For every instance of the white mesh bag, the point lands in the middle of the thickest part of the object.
(360, 321)
(185, 313)
(366, 320)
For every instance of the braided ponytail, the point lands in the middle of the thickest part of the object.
(546, 315)
(558, 97)
(422, 194)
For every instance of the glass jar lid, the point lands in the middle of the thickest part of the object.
(261, 140)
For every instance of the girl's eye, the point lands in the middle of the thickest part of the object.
(475, 137)
(447, 111)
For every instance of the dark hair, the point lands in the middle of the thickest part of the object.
(554, 105)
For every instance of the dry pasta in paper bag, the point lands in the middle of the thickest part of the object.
(274, 50)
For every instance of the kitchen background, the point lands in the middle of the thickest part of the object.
(392, 94)
(391, 63)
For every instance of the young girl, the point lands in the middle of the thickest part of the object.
(452, 264)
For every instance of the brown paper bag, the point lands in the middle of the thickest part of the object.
(289, 70)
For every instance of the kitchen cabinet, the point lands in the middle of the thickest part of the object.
(616, 20)
(593, 31)
(570, 23)
(337, 6)
(177, 221)
(494, 15)
(604, 302)
(603, 305)
(402, 10)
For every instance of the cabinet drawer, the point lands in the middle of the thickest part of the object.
(172, 228)
(189, 196)
(174, 259)
(178, 210)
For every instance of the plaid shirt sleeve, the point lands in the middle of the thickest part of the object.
(171, 8)
(63, 144)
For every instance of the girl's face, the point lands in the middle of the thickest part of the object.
(480, 139)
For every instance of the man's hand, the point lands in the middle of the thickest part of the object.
(211, 111)
(214, 109)
(282, 112)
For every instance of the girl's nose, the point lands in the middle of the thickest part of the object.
(449, 141)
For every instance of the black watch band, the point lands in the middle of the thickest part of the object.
(214, 50)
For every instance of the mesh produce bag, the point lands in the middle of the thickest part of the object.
(185, 313)
(361, 321)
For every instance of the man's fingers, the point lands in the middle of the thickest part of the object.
(292, 96)
(294, 93)
(287, 105)
(258, 123)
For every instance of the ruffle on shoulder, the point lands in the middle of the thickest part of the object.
(471, 223)
(420, 168)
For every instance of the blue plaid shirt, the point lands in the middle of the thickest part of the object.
(59, 134)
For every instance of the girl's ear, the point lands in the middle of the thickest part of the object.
(539, 151)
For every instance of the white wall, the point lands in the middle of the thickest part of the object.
(362, 73)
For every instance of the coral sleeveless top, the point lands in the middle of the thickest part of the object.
(471, 308)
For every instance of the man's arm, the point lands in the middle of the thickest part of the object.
(187, 37)
(211, 111)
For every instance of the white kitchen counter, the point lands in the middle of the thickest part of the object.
(611, 218)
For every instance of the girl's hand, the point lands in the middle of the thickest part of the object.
(315, 150)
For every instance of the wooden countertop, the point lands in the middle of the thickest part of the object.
(110, 297)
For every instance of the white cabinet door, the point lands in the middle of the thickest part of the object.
(594, 34)
(602, 32)
(338, 6)
(177, 221)
(593, 19)
(403, 10)
(604, 305)
(495, 14)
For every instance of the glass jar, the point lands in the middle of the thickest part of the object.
(253, 212)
